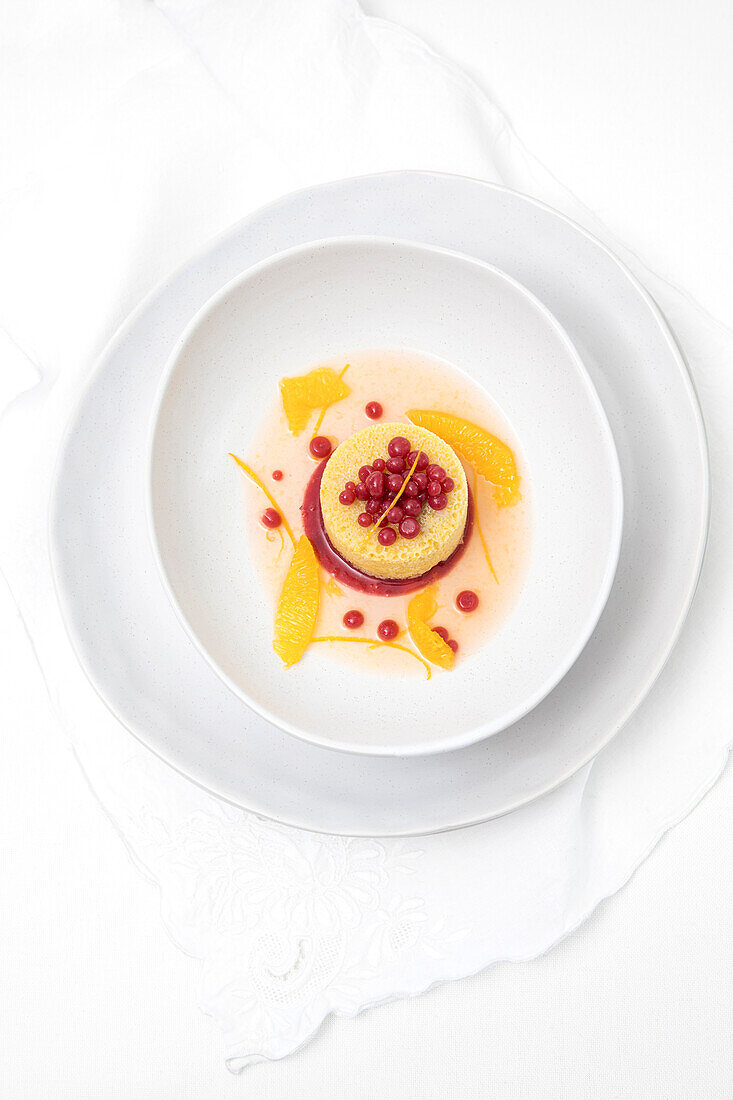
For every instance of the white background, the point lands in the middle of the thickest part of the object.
(631, 105)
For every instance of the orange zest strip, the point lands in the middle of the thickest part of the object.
(375, 526)
(332, 588)
(270, 536)
(477, 521)
(260, 485)
(325, 407)
(373, 643)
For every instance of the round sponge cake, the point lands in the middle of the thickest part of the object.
(440, 533)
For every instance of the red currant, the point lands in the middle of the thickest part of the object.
(467, 600)
(387, 630)
(320, 446)
(271, 518)
(398, 447)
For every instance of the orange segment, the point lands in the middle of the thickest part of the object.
(318, 389)
(420, 610)
(297, 609)
(485, 452)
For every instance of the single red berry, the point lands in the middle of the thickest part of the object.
(365, 520)
(387, 630)
(395, 514)
(467, 600)
(448, 485)
(395, 465)
(434, 489)
(320, 446)
(436, 472)
(378, 464)
(277, 475)
(442, 631)
(347, 497)
(421, 479)
(398, 447)
(412, 507)
(394, 483)
(353, 620)
(361, 492)
(387, 536)
(422, 461)
(364, 473)
(438, 503)
(271, 518)
(422, 497)
(372, 506)
(453, 644)
(409, 528)
(375, 484)
(411, 489)
(373, 410)
(350, 485)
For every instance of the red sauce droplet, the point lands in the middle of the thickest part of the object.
(320, 446)
(453, 644)
(374, 410)
(271, 518)
(442, 632)
(387, 630)
(277, 475)
(467, 600)
(353, 620)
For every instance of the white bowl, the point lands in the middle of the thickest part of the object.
(323, 299)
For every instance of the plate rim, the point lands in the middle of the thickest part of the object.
(197, 255)
(613, 550)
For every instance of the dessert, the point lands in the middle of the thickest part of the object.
(397, 536)
(394, 515)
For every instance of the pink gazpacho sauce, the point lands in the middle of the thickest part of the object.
(398, 380)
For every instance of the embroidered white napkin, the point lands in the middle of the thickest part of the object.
(139, 131)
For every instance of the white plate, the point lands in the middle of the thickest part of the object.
(303, 306)
(144, 666)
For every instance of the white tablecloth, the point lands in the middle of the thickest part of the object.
(486, 1046)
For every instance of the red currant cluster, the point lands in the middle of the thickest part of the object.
(381, 481)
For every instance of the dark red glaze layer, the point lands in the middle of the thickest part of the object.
(344, 572)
